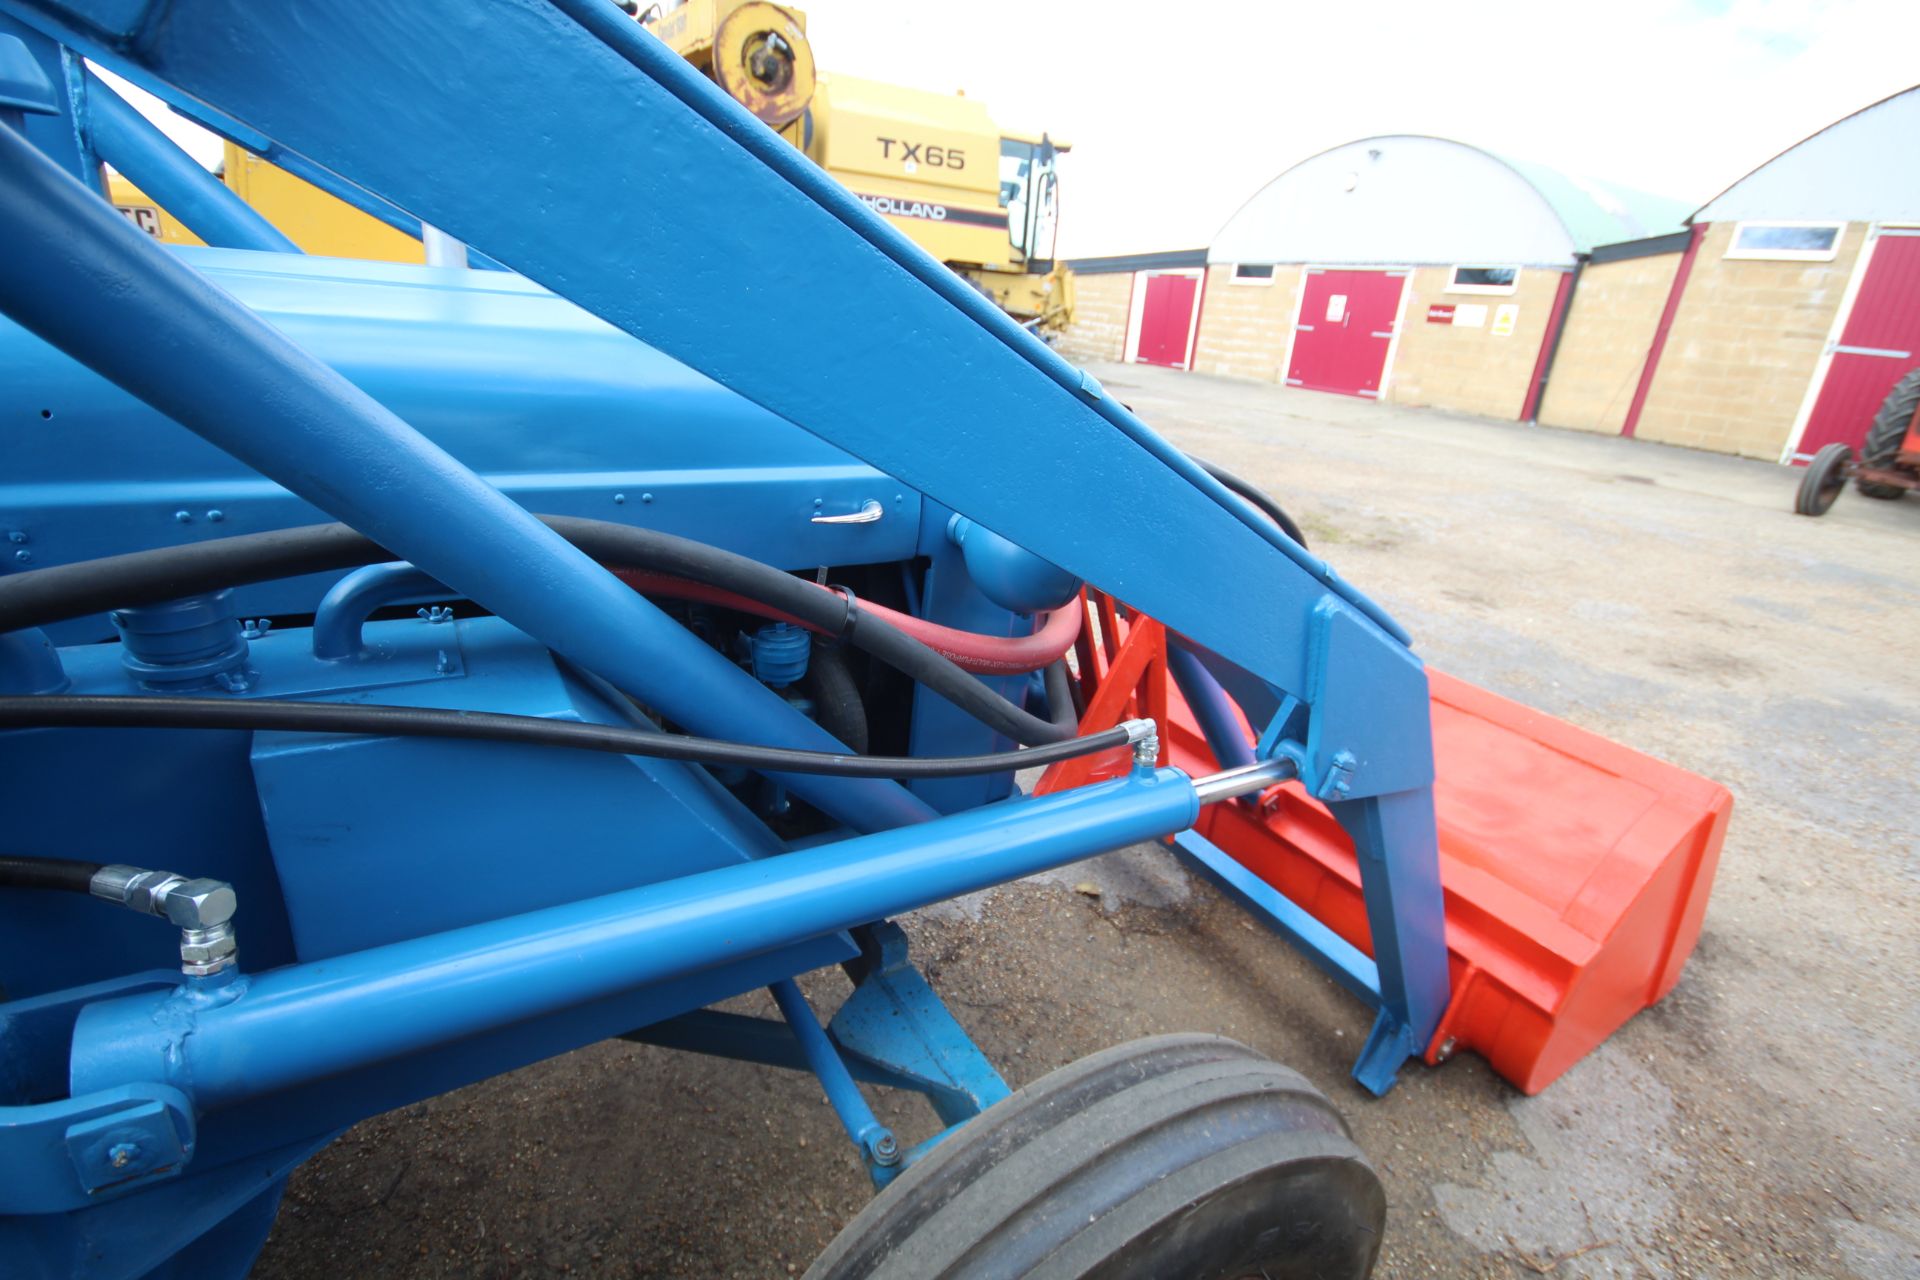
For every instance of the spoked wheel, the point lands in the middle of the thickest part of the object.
(1826, 477)
(1188, 1157)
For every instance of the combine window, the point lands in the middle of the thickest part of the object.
(1030, 193)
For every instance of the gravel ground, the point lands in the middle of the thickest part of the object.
(1761, 1121)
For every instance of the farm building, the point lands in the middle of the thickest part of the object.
(1785, 313)
(1413, 269)
(1771, 321)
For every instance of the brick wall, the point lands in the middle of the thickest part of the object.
(1604, 347)
(1743, 347)
(1466, 369)
(1245, 328)
(1099, 328)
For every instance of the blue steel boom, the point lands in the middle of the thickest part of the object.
(434, 411)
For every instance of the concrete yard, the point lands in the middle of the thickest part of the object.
(1762, 1121)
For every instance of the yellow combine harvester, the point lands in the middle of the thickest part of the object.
(982, 200)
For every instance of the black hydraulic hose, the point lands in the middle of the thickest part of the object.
(94, 711)
(1060, 705)
(60, 592)
(837, 703)
(1259, 497)
(836, 615)
(65, 874)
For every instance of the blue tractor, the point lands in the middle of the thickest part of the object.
(457, 666)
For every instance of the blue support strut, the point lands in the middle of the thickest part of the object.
(878, 1148)
(154, 163)
(272, 1031)
(80, 276)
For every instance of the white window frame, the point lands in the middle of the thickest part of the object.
(1496, 290)
(1266, 282)
(1827, 254)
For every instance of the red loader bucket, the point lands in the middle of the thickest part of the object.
(1575, 870)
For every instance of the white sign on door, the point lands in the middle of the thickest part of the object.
(1336, 308)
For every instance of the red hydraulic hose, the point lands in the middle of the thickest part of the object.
(968, 650)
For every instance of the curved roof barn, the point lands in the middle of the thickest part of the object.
(1858, 169)
(1413, 200)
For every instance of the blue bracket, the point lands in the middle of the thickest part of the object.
(1369, 758)
(68, 1154)
(894, 1024)
(892, 1031)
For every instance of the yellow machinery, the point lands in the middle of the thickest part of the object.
(311, 218)
(983, 201)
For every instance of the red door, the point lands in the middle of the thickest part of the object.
(1166, 320)
(1878, 345)
(1345, 327)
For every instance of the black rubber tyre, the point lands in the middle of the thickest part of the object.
(1826, 476)
(1181, 1157)
(1888, 430)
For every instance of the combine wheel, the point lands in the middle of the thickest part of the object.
(1177, 1156)
(1826, 476)
(1888, 430)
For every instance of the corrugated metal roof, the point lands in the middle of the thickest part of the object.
(1596, 212)
(1415, 199)
(1860, 168)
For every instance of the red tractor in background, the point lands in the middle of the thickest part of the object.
(1889, 461)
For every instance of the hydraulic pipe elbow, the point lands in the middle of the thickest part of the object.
(1007, 573)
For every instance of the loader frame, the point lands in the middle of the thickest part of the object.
(559, 139)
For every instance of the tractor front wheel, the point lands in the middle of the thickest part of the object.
(1182, 1156)
(1826, 476)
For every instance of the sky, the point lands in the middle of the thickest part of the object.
(1177, 113)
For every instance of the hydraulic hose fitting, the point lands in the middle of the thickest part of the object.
(1145, 737)
(202, 909)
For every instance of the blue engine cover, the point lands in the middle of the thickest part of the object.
(565, 413)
